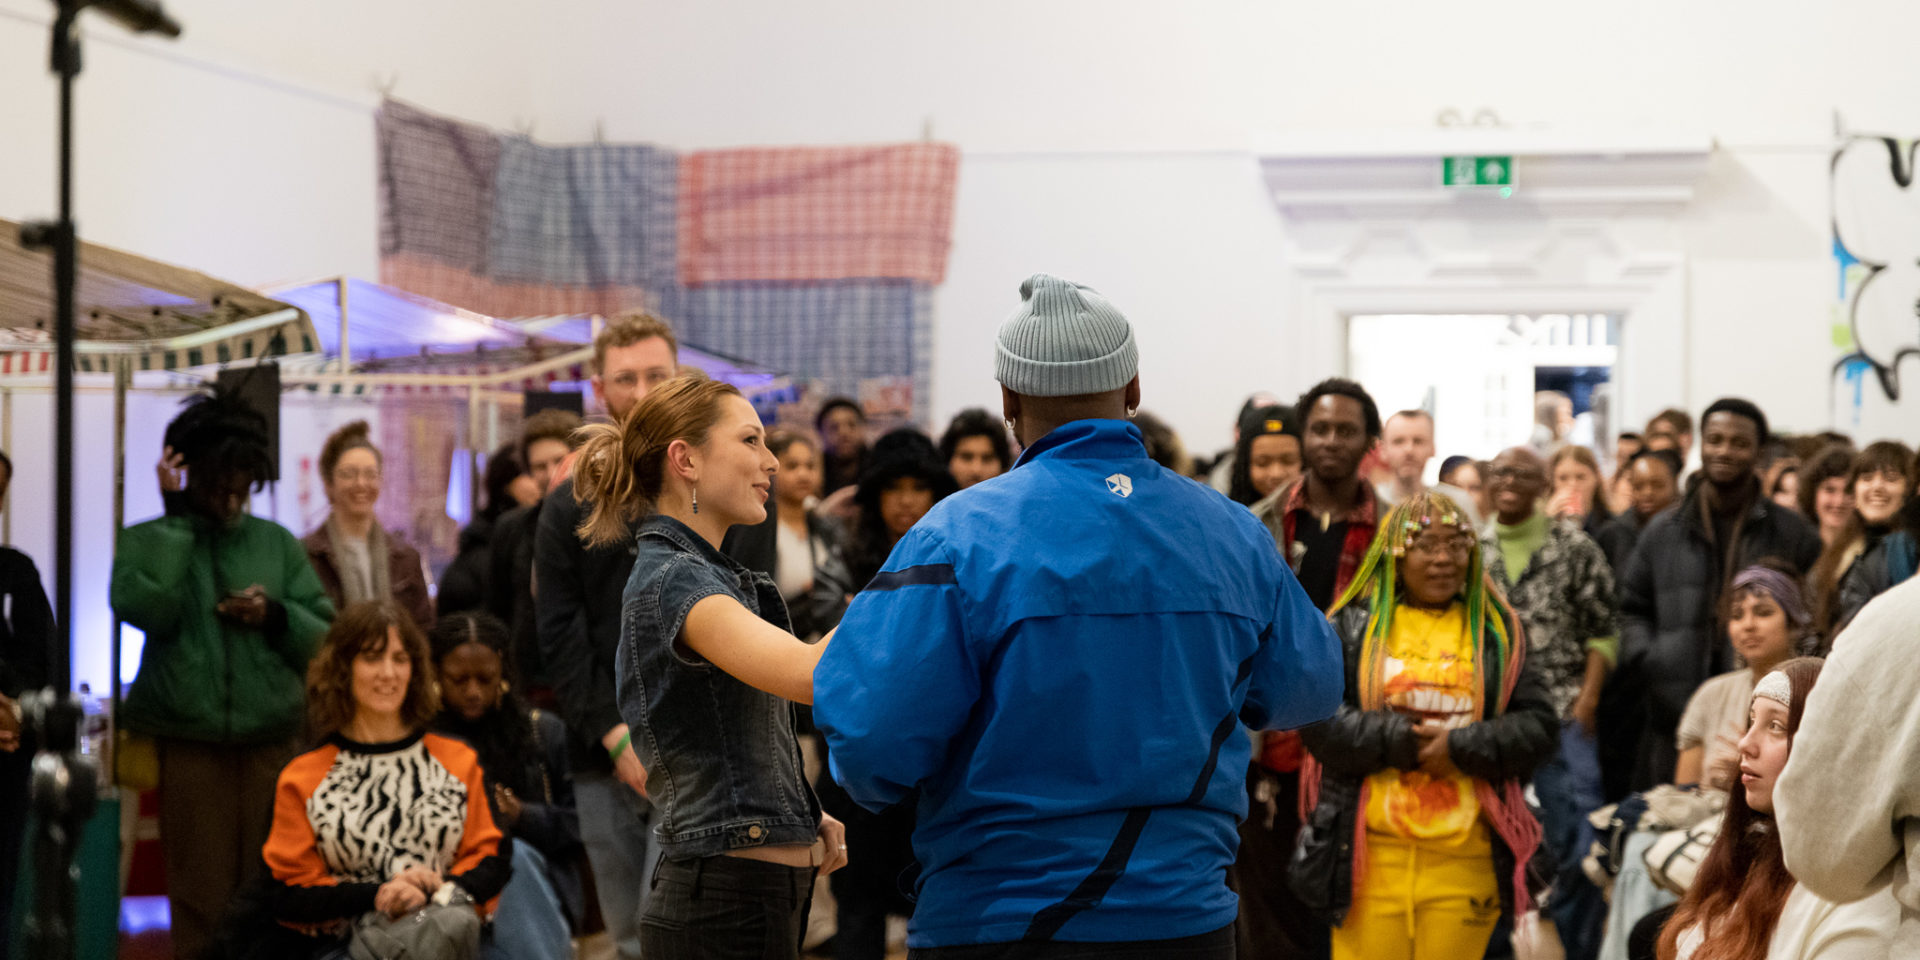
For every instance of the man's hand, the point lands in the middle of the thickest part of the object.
(398, 897)
(1586, 713)
(1435, 758)
(172, 470)
(247, 608)
(627, 767)
(833, 834)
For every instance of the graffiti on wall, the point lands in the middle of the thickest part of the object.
(1876, 249)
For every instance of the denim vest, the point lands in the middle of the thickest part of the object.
(723, 767)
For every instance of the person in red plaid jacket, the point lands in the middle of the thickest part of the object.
(1322, 523)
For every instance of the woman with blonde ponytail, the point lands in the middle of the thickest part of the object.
(706, 656)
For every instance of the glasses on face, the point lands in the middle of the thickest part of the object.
(1457, 544)
(1512, 474)
(630, 379)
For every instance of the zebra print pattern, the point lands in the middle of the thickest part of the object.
(377, 814)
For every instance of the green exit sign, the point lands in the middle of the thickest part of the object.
(1477, 172)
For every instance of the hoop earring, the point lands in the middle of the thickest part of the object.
(1009, 424)
(1132, 412)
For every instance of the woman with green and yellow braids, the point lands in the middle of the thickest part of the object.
(1417, 833)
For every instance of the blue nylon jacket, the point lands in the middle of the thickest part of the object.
(1059, 660)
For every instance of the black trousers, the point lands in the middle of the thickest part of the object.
(1217, 945)
(1273, 922)
(726, 908)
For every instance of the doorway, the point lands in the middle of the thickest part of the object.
(1480, 374)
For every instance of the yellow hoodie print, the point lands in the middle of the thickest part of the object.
(1428, 676)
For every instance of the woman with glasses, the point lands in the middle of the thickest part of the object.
(1419, 835)
(357, 560)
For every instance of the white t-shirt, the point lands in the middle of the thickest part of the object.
(1719, 709)
(793, 565)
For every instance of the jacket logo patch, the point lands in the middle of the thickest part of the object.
(1120, 484)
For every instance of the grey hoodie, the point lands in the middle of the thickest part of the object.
(1848, 804)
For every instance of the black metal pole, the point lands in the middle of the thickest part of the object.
(66, 257)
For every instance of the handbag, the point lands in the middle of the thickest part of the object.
(1674, 859)
(437, 931)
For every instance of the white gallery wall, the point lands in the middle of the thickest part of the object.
(1116, 143)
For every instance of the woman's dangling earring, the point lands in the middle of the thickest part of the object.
(696, 499)
(504, 687)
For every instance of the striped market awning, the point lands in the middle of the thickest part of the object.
(150, 314)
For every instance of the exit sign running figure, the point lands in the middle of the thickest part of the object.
(1477, 171)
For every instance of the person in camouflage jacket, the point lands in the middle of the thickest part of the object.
(1561, 586)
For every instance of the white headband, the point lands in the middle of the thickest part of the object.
(1776, 687)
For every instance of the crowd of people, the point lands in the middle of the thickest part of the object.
(1336, 706)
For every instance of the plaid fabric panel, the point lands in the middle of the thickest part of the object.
(588, 216)
(817, 213)
(842, 332)
(447, 284)
(436, 185)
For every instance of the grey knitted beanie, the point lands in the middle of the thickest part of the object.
(1064, 341)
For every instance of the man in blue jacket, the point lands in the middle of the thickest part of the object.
(1059, 661)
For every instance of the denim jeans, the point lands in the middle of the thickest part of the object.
(726, 908)
(1218, 945)
(1569, 789)
(616, 828)
(529, 923)
(1635, 895)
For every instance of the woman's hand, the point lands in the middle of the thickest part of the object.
(510, 808)
(423, 879)
(833, 834)
(399, 896)
(627, 767)
(1435, 758)
(1565, 505)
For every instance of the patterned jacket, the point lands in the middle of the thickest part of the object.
(1565, 598)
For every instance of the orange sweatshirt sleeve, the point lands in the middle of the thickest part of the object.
(484, 862)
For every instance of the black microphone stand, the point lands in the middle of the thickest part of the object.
(62, 236)
(66, 785)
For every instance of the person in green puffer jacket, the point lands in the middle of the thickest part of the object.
(232, 613)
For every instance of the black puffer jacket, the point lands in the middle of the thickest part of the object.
(1886, 563)
(1670, 637)
(1356, 744)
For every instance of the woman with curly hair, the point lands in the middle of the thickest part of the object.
(382, 818)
